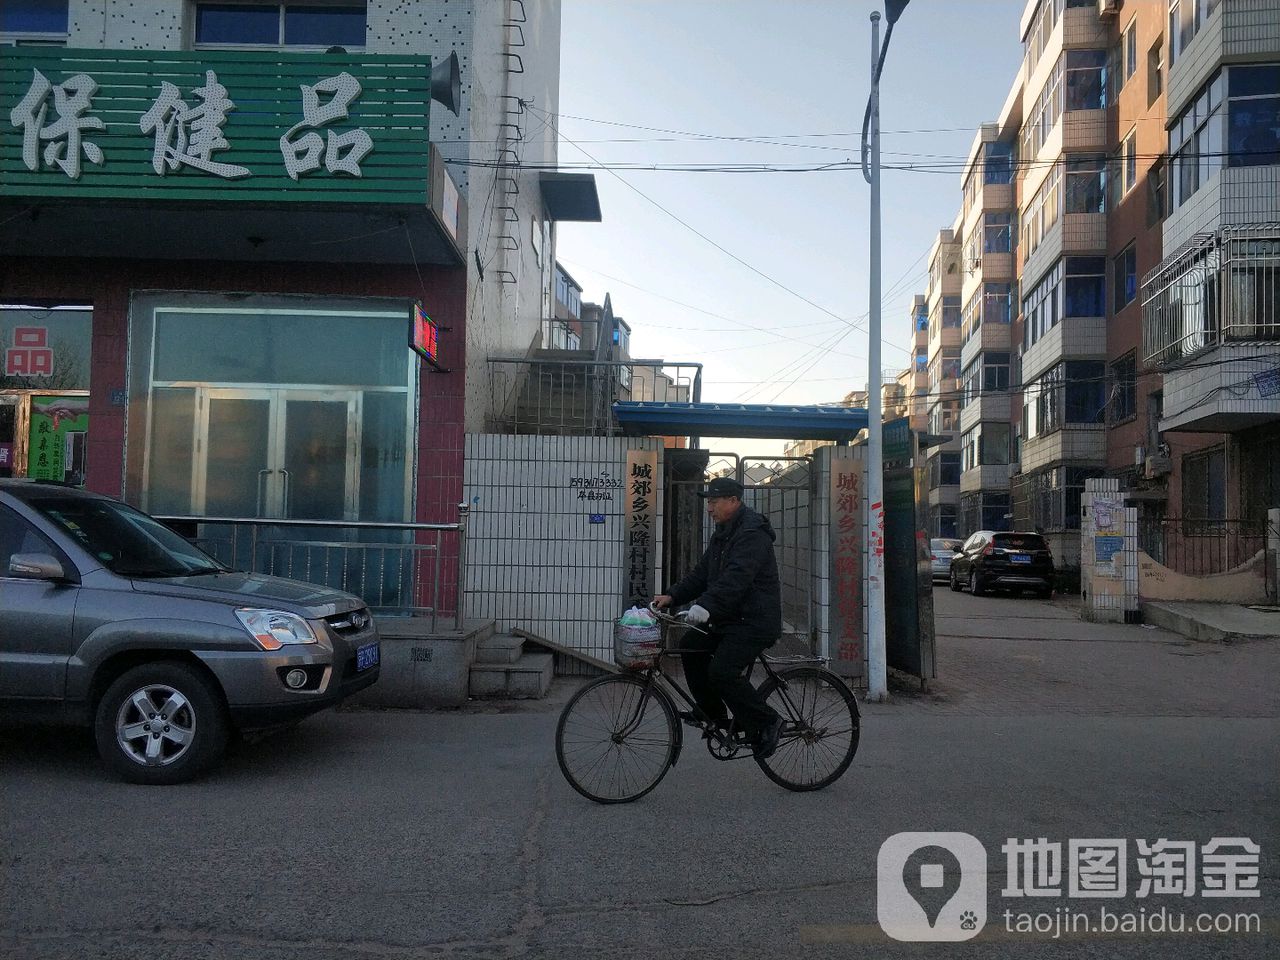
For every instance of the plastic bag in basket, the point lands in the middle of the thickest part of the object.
(637, 639)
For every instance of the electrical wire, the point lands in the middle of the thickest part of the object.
(703, 236)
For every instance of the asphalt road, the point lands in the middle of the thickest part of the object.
(452, 834)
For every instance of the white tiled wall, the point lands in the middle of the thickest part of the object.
(1219, 383)
(988, 477)
(1079, 446)
(1075, 337)
(534, 559)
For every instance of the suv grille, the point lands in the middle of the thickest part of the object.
(344, 623)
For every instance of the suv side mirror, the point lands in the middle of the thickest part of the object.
(36, 566)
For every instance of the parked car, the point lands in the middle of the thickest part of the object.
(942, 549)
(1003, 561)
(109, 619)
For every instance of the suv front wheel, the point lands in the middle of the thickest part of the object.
(161, 723)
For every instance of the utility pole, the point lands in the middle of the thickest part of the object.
(877, 679)
(877, 668)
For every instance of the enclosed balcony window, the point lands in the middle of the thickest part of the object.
(998, 165)
(997, 233)
(1086, 186)
(950, 312)
(1085, 287)
(1085, 79)
(1253, 115)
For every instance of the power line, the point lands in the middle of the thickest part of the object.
(697, 232)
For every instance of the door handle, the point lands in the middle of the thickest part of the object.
(261, 474)
(288, 514)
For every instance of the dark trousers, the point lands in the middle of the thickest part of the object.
(717, 679)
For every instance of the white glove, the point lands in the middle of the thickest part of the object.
(697, 614)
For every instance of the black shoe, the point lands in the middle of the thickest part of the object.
(768, 741)
(700, 719)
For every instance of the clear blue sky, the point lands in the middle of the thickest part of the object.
(796, 73)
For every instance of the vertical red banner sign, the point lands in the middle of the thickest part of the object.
(847, 577)
(641, 537)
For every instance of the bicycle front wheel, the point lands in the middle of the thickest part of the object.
(820, 728)
(616, 739)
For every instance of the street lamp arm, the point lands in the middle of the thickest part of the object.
(866, 117)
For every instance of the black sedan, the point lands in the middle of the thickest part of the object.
(1003, 561)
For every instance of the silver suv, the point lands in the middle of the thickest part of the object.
(108, 618)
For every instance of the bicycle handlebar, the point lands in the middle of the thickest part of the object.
(676, 618)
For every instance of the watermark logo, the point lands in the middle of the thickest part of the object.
(931, 886)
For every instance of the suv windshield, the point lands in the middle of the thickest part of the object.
(1019, 541)
(125, 541)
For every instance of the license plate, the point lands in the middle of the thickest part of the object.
(1021, 558)
(366, 657)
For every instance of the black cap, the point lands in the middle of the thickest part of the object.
(722, 487)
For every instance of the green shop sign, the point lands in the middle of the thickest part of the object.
(240, 127)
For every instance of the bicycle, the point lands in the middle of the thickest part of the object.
(619, 735)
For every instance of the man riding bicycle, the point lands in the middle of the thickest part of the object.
(735, 587)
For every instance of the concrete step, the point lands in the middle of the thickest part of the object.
(500, 648)
(1214, 622)
(529, 678)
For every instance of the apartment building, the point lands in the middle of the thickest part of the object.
(1118, 252)
(988, 219)
(1210, 308)
(942, 305)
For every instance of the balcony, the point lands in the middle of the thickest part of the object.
(1219, 289)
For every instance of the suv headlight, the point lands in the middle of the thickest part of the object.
(274, 628)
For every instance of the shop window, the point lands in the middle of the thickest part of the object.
(312, 24)
(312, 422)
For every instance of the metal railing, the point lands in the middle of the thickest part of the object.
(399, 571)
(563, 396)
(1200, 547)
(1218, 288)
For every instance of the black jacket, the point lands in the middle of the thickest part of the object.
(736, 580)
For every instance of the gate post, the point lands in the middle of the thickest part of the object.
(1108, 554)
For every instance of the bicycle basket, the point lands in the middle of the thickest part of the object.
(634, 646)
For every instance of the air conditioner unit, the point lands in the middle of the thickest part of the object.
(1108, 8)
(1158, 466)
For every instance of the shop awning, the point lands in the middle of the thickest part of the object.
(754, 420)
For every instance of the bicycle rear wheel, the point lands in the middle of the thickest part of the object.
(616, 739)
(820, 728)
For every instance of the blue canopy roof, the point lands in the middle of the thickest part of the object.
(757, 420)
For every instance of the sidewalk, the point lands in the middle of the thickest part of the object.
(1001, 656)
